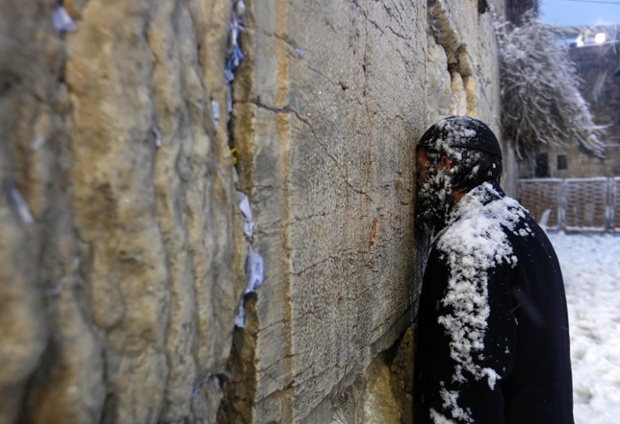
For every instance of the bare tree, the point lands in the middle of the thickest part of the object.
(541, 102)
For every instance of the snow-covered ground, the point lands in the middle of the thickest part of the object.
(591, 268)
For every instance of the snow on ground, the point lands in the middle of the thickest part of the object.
(591, 268)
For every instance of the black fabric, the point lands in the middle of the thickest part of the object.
(450, 131)
(526, 341)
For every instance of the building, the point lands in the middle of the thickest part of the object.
(596, 54)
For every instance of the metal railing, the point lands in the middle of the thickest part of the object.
(573, 204)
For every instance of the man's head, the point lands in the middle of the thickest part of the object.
(454, 155)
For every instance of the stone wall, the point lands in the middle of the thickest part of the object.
(122, 266)
(122, 248)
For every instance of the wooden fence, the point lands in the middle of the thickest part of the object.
(573, 204)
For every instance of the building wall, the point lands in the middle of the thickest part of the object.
(122, 250)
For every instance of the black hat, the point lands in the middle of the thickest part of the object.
(460, 132)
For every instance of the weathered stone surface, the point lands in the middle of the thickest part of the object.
(326, 118)
(383, 393)
(119, 297)
(326, 141)
(468, 43)
(30, 95)
(121, 246)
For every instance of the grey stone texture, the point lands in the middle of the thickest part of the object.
(121, 244)
(326, 118)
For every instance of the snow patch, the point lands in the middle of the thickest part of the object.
(473, 243)
(591, 271)
(449, 403)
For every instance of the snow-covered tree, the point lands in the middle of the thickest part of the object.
(541, 102)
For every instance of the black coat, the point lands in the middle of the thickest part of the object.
(510, 362)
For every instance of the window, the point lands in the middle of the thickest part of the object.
(562, 165)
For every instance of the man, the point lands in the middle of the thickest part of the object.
(492, 343)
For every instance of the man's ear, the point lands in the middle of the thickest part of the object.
(444, 163)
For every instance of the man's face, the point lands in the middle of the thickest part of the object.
(421, 167)
(434, 195)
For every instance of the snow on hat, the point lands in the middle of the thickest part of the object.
(460, 132)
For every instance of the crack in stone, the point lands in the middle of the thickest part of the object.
(299, 116)
(313, 265)
(325, 76)
(376, 25)
(284, 38)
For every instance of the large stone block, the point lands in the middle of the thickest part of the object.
(121, 246)
(326, 121)
(326, 117)
(382, 393)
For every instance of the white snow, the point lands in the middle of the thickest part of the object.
(472, 243)
(591, 269)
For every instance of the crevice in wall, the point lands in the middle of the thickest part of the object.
(445, 34)
(239, 382)
(443, 30)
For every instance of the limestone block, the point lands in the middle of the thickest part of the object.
(325, 148)
(174, 232)
(383, 393)
(443, 19)
(29, 95)
(326, 117)
(473, 97)
(121, 247)
(458, 105)
(468, 42)
(440, 86)
(70, 387)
